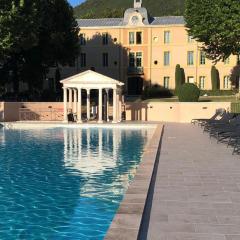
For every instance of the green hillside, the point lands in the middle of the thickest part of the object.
(115, 8)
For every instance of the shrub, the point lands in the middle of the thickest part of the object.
(156, 91)
(188, 92)
(215, 78)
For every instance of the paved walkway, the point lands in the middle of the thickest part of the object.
(197, 191)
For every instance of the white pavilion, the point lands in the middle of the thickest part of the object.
(90, 80)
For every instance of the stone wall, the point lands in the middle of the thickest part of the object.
(152, 111)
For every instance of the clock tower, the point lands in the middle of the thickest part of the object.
(137, 3)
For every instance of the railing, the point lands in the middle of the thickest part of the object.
(135, 70)
(50, 114)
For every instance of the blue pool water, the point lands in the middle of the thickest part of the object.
(65, 183)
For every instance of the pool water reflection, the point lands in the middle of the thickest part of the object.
(65, 183)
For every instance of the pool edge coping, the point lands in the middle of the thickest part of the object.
(49, 125)
(127, 221)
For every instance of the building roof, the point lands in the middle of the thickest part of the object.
(170, 20)
(114, 22)
(101, 22)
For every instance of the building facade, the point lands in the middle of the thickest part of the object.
(141, 50)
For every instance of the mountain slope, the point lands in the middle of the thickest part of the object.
(115, 8)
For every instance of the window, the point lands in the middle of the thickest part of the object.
(190, 79)
(105, 38)
(190, 39)
(166, 36)
(138, 59)
(166, 58)
(131, 59)
(105, 59)
(166, 82)
(83, 59)
(227, 61)
(190, 60)
(135, 59)
(82, 39)
(139, 37)
(226, 82)
(202, 58)
(202, 82)
(131, 38)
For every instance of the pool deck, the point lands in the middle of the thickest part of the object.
(127, 221)
(197, 188)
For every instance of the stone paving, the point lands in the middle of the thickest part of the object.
(197, 191)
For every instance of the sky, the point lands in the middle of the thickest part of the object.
(75, 2)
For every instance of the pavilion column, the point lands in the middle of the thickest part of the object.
(79, 106)
(88, 104)
(70, 100)
(100, 106)
(75, 100)
(65, 91)
(107, 110)
(120, 107)
(114, 105)
(117, 106)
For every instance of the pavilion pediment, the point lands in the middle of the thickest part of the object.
(91, 77)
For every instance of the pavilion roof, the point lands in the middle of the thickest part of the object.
(92, 78)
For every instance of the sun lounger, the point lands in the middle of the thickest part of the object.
(218, 114)
(226, 118)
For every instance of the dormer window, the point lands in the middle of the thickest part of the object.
(135, 20)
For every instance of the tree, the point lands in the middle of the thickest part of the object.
(215, 78)
(18, 33)
(183, 77)
(34, 35)
(58, 38)
(216, 24)
(178, 77)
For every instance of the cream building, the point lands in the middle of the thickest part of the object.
(141, 50)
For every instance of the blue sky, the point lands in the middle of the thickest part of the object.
(75, 2)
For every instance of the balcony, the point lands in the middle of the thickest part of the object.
(135, 71)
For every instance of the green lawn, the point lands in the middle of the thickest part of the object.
(202, 99)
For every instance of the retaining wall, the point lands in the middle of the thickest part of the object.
(173, 112)
(152, 111)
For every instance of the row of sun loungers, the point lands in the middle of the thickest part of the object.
(224, 127)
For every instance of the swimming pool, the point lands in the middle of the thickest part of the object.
(65, 183)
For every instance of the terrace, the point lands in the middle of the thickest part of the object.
(196, 194)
